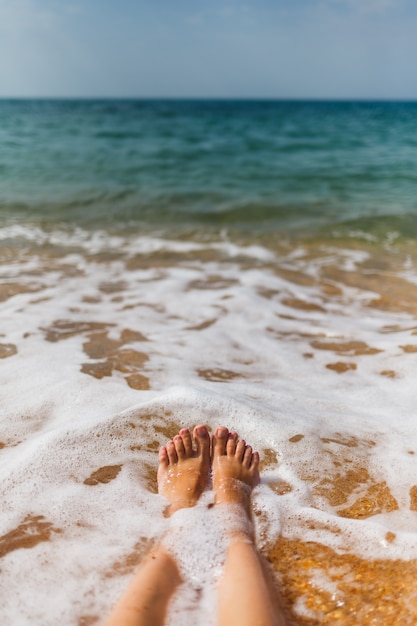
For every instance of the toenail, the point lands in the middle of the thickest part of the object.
(201, 430)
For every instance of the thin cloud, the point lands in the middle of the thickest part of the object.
(310, 48)
(369, 6)
(194, 19)
(26, 15)
(227, 12)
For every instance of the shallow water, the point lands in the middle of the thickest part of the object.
(110, 343)
(254, 166)
(250, 264)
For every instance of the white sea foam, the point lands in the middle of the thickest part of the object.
(226, 344)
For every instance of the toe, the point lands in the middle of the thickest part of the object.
(179, 447)
(219, 441)
(231, 444)
(202, 439)
(254, 469)
(163, 456)
(172, 453)
(255, 461)
(247, 457)
(240, 449)
(187, 441)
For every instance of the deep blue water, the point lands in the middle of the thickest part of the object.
(305, 167)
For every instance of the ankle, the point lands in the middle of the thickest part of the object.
(236, 521)
(232, 491)
(242, 536)
(179, 503)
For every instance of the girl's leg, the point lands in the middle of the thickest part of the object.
(145, 601)
(182, 476)
(247, 596)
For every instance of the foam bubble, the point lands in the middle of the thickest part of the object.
(305, 353)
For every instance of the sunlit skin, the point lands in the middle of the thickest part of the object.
(246, 593)
(184, 472)
(235, 468)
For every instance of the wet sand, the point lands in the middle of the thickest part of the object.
(307, 350)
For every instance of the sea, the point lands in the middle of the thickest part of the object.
(251, 264)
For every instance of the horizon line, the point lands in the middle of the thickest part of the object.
(217, 98)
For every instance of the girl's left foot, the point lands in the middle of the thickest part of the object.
(183, 471)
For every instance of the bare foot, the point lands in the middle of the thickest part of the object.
(235, 468)
(183, 472)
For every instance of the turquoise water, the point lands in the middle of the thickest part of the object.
(165, 264)
(303, 167)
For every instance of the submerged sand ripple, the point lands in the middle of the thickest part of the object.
(125, 348)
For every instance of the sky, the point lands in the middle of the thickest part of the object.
(348, 49)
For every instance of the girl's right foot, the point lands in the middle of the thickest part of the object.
(235, 469)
